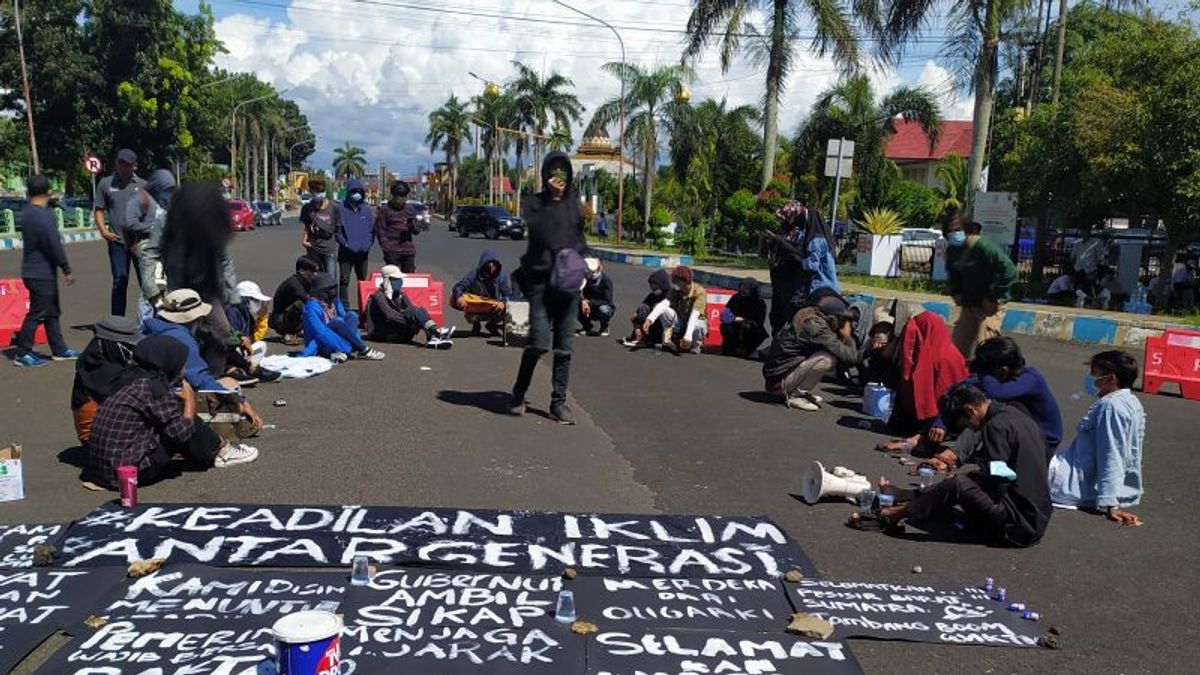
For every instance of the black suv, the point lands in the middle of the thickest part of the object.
(492, 222)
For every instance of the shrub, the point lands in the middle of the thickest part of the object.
(915, 203)
(881, 222)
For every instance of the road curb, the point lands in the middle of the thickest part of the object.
(13, 243)
(1020, 318)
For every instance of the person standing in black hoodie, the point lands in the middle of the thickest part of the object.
(555, 223)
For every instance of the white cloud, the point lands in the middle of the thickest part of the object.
(370, 73)
(940, 81)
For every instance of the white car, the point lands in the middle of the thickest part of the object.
(923, 237)
(422, 214)
(916, 247)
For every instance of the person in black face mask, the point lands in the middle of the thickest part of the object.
(551, 274)
(660, 286)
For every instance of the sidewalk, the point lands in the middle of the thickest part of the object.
(1068, 324)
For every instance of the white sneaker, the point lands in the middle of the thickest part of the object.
(338, 357)
(446, 333)
(235, 454)
(813, 397)
(371, 355)
(800, 403)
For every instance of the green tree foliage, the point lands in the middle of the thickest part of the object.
(917, 205)
(349, 161)
(449, 126)
(952, 172)
(544, 105)
(713, 149)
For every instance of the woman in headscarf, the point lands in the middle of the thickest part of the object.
(817, 341)
(152, 416)
(801, 260)
(742, 321)
(100, 367)
(929, 365)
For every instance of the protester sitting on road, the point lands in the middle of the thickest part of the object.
(877, 365)
(482, 293)
(1101, 470)
(395, 226)
(979, 276)
(656, 299)
(287, 307)
(929, 365)
(144, 422)
(248, 322)
(742, 321)
(816, 341)
(1007, 501)
(1000, 370)
(99, 368)
(320, 218)
(330, 330)
(42, 257)
(355, 237)
(596, 306)
(684, 320)
(392, 317)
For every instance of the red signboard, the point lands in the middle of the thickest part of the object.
(14, 305)
(1173, 357)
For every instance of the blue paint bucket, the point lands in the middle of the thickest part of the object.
(308, 643)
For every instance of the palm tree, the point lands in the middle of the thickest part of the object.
(494, 108)
(953, 173)
(775, 45)
(850, 110)
(974, 32)
(541, 103)
(349, 161)
(707, 134)
(649, 101)
(560, 139)
(448, 126)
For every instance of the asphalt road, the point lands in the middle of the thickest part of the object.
(657, 433)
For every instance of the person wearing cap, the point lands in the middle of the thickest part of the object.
(330, 330)
(816, 341)
(596, 306)
(248, 322)
(42, 256)
(392, 317)
(100, 367)
(110, 210)
(287, 307)
(152, 416)
(684, 319)
(355, 237)
(979, 277)
(395, 226)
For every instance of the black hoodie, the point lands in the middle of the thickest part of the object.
(554, 225)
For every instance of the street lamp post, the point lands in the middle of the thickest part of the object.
(233, 136)
(621, 136)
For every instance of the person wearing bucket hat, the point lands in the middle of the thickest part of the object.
(178, 317)
(330, 330)
(392, 317)
(597, 305)
(99, 368)
(818, 340)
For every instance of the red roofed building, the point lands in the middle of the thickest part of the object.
(909, 149)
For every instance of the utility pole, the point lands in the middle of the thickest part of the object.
(33, 151)
(1062, 39)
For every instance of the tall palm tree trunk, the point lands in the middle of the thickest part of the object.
(774, 85)
(985, 85)
(1062, 40)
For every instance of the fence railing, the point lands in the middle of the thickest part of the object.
(68, 218)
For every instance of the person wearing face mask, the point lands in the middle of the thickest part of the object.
(742, 320)
(320, 217)
(287, 305)
(1006, 501)
(392, 317)
(355, 237)
(684, 319)
(329, 330)
(152, 416)
(481, 294)
(550, 275)
(979, 277)
(396, 225)
(1101, 470)
(655, 300)
(597, 306)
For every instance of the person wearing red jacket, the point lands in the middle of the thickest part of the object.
(395, 226)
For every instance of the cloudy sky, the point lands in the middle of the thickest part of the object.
(370, 71)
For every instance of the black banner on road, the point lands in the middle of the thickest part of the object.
(34, 603)
(684, 652)
(17, 542)
(619, 603)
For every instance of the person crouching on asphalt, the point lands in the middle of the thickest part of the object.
(98, 372)
(287, 306)
(248, 325)
(658, 299)
(811, 346)
(42, 257)
(329, 330)
(596, 307)
(482, 293)
(1007, 501)
(153, 415)
(392, 317)
(742, 321)
(1101, 471)
(684, 321)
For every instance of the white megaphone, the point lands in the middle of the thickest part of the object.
(842, 482)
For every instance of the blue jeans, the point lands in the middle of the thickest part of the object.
(348, 329)
(119, 261)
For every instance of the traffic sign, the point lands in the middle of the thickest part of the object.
(92, 164)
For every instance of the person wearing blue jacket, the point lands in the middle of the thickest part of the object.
(330, 330)
(486, 281)
(181, 312)
(355, 236)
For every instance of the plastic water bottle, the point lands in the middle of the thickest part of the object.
(360, 574)
(1030, 616)
(886, 500)
(988, 584)
(925, 476)
(1016, 607)
(565, 611)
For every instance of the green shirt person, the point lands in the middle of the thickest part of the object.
(980, 278)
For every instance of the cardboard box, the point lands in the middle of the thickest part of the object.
(12, 483)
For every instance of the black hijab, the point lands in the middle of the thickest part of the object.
(814, 226)
(160, 359)
(99, 372)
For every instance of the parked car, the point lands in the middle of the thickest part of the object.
(916, 247)
(923, 237)
(492, 222)
(266, 213)
(452, 219)
(243, 215)
(422, 215)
